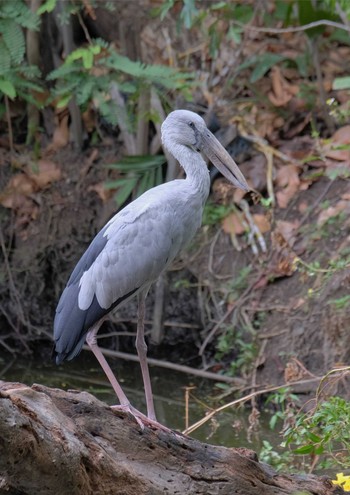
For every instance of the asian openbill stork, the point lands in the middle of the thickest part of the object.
(137, 245)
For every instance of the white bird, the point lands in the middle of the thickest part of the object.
(137, 245)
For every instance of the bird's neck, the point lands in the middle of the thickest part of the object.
(197, 173)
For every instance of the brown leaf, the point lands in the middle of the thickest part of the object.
(100, 189)
(282, 91)
(44, 173)
(262, 222)
(341, 137)
(233, 224)
(287, 178)
(60, 135)
(18, 187)
(288, 230)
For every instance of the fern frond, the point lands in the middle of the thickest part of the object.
(18, 11)
(158, 74)
(5, 58)
(13, 37)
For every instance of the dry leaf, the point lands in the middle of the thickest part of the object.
(60, 135)
(262, 222)
(100, 189)
(288, 178)
(288, 230)
(18, 187)
(341, 137)
(282, 91)
(44, 173)
(233, 224)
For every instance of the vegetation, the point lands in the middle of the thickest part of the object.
(271, 286)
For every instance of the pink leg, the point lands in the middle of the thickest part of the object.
(92, 343)
(141, 348)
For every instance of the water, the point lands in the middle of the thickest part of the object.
(228, 428)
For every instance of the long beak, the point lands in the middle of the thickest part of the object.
(222, 160)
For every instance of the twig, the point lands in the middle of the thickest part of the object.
(316, 60)
(226, 315)
(296, 29)
(241, 400)
(9, 123)
(172, 366)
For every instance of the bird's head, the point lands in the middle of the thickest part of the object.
(185, 128)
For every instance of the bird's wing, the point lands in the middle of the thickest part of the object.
(137, 250)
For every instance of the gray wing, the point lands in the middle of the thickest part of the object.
(128, 254)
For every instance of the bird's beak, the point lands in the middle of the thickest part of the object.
(222, 160)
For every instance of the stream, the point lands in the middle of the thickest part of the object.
(228, 428)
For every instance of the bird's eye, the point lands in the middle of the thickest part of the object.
(191, 124)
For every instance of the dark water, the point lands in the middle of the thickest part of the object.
(228, 428)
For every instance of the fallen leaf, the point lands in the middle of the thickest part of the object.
(233, 224)
(288, 230)
(342, 135)
(288, 179)
(44, 173)
(340, 138)
(61, 134)
(103, 193)
(262, 222)
(282, 91)
(18, 187)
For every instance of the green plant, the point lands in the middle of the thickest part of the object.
(138, 173)
(17, 78)
(324, 430)
(78, 76)
(279, 460)
(215, 213)
(231, 341)
(284, 403)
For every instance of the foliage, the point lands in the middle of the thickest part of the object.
(87, 73)
(214, 213)
(284, 403)
(16, 78)
(323, 430)
(138, 173)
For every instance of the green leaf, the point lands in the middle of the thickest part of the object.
(13, 37)
(48, 6)
(124, 192)
(265, 62)
(138, 163)
(8, 89)
(5, 58)
(88, 59)
(341, 83)
(63, 102)
(313, 437)
(305, 449)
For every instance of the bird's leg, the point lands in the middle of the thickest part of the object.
(91, 340)
(141, 348)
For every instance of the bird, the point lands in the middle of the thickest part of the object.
(136, 245)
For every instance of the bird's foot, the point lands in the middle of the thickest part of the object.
(141, 419)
